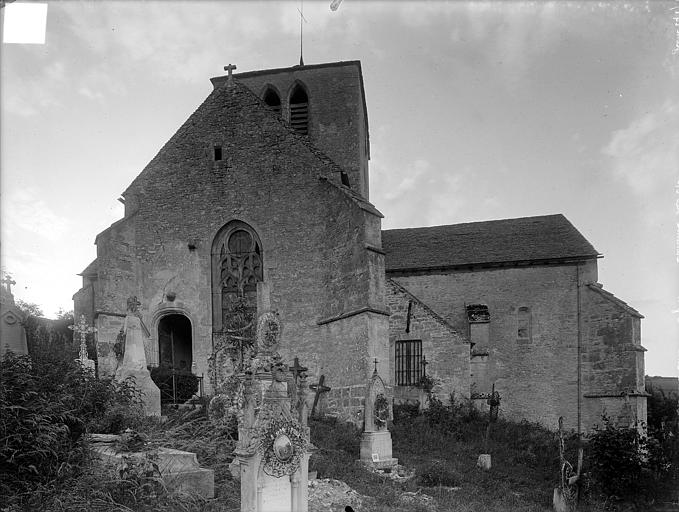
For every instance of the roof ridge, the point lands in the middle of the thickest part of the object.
(490, 221)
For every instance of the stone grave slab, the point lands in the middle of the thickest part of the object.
(179, 469)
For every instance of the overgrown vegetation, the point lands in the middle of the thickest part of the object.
(48, 402)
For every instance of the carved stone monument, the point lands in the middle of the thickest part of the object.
(134, 361)
(12, 332)
(376, 438)
(273, 442)
(80, 332)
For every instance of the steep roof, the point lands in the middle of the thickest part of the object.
(527, 239)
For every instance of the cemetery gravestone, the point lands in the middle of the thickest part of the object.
(80, 332)
(273, 443)
(376, 438)
(134, 361)
(12, 332)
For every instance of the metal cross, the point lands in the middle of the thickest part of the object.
(375, 361)
(297, 369)
(229, 69)
(318, 388)
(82, 329)
(9, 282)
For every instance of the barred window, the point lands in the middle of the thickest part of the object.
(409, 362)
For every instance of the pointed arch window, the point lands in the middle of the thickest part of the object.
(299, 110)
(237, 266)
(272, 99)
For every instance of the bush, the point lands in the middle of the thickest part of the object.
(406, 410)
(46, 403)
(625, 464)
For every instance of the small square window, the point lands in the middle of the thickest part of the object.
(218, 153)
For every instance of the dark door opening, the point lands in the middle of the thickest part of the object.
(175, 348)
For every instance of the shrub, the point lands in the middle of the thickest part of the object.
(406, 410)
(46, 403)
(625, 464)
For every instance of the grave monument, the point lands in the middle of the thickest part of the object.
(134, 360)
(376, 438)
(12, 332)
(273, 440)
(81, 330)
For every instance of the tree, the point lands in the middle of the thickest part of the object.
(29, 308)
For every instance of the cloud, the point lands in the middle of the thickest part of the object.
(24, 211)
(645, 154)
(27, 97)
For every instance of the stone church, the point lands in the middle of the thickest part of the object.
(261, 198)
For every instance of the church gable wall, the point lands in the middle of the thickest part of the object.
(312, 233)
(537, 376)
(446, 351)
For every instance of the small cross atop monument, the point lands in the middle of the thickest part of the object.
(9, 282)
(229, 69)
(375, 361)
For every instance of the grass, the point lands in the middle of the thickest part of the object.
(441, 446)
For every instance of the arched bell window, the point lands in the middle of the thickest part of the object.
(299, 110)
(237, 267)
(272, 99)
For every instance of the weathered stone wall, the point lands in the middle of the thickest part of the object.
(314, 233)
(446, 350)
(537, 378)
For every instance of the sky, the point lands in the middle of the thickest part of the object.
(477, 111)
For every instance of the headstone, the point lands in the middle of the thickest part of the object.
(273, 442)
(376, 438)
(179, 470)
(12, 332)
(80, 332)
(134, 361)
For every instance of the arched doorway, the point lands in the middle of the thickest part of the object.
(175, 346)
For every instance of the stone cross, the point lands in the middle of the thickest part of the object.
(318, 388)
(82, 329)
(9, 282)
(229, 69)
(375, 361)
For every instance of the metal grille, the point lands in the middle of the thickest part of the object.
(409, 367)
